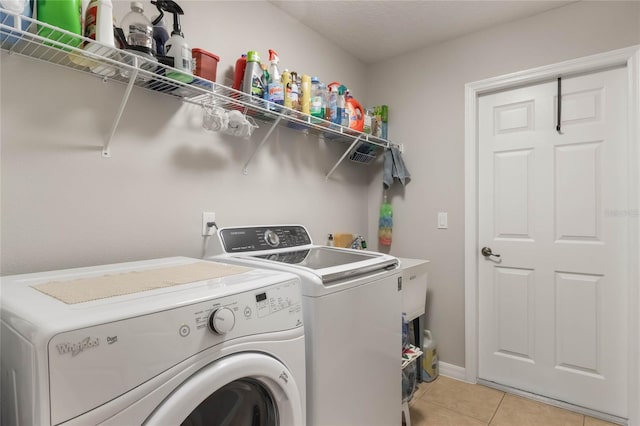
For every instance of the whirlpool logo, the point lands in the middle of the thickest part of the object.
(76, 348)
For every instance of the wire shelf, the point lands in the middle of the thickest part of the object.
(20, 35)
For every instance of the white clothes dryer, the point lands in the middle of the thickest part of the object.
(162, 342)
(353, 320)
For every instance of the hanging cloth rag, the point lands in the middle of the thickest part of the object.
(394, 168)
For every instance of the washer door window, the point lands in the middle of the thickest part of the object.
(248, 389)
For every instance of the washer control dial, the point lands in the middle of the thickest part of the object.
(222, 321)
(271, 238)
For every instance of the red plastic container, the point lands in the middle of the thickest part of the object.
(206, 64)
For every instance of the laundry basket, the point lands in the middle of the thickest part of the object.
(410, 370)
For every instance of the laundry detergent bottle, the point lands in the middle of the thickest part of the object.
(65, 14)
(430, 368)
(19, 7)
(253, 80)
(355, 112)
(238, 72)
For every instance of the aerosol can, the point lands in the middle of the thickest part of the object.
(176, 47)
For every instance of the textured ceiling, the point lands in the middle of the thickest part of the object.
(374, 31)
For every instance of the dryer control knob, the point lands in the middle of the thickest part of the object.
(222, 321)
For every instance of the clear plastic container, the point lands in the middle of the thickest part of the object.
(137, 28)
(317, 99)
(138, 33)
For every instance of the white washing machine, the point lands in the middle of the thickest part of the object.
(172, 341)
(352, 313)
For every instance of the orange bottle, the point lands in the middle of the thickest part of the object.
(355, 113)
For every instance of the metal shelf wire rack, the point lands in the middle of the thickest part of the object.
(20, 35)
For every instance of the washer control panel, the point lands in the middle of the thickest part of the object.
(238, 240)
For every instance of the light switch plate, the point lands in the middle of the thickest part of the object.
(443, 220)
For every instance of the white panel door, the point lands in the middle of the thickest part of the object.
(553, 308)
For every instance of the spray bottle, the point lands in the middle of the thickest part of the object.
(176, 47)
(333, 113)
(265, 81)
(275, 88)
(343, 116)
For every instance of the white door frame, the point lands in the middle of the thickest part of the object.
(629, 56)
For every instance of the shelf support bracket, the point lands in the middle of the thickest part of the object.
(132, 79)
(245, 170)
(343, 157)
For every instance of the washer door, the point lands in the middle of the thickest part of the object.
(247, 389)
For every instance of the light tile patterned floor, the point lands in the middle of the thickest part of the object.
(449, 402)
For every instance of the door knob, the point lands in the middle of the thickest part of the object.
(486, 252)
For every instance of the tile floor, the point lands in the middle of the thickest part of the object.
(449, 402)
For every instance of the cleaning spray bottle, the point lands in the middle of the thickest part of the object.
(276, 91)
(385, 225)
(265, 80)
(176, 47)
(160, 34)
(343, 117)
(331, 111)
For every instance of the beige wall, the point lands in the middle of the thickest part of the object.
(65, 206)
(425, 92)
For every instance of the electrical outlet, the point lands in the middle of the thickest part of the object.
(206, 218)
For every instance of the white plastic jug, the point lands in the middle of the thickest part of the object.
(20, 8)
(430, 359)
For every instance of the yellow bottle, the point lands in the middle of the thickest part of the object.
(286, 84)
(305, 88)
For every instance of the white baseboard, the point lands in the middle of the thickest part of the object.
(452, 371)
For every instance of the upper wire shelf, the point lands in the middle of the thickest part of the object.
(37, 40)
